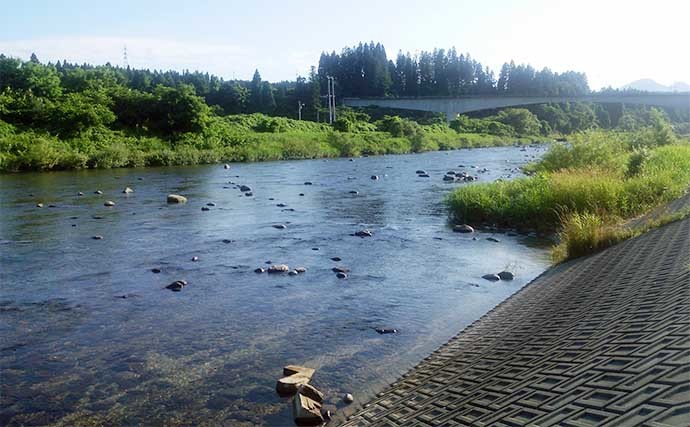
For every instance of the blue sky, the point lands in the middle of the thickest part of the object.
(613, 41)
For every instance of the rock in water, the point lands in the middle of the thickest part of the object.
(39, 205)
(278, 268)
(301, 270)
(491, 277)
(506, 275)
(463, 228)
(311, 392)
(97, 237)
(280, 226)
(155, 270)
(375, 177)
(177, 285)
(109, 203)
(364, 233)
(493, 239)
(176, 198)
(294, 377)
(306, 411)
(340, 270)
(341, 275)
(127, 190)
(386, 331)
(287, 386)
(449, 178)
(226, 166)
(298, 369)
(245, 188)
(348, 398)
(205, 208)
(259, 270)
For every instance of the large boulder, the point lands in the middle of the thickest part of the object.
(506, 275)
(176, 198)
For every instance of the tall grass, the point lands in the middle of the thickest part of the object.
(582, 189)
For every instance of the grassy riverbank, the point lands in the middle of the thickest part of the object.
(585, 189)
(240, 138)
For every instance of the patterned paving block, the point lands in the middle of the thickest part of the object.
(604, 340)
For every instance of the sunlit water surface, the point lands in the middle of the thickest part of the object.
(73, 351)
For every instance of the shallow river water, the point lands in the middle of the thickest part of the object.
(73, 351)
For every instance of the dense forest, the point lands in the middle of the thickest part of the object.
(66, 115)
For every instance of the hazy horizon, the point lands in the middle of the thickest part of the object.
(231, 39)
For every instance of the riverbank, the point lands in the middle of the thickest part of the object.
(584, 190)
(253, 138)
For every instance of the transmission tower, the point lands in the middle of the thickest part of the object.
(124, 57)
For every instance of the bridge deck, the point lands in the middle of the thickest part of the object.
(603, 340)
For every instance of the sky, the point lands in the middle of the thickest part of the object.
(614, 42)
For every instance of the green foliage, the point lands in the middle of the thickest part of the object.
(521, 120)
(584, 188)
(398, 127)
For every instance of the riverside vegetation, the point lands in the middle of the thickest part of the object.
(584, 190)
(67, 116)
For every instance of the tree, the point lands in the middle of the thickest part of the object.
(520, 119)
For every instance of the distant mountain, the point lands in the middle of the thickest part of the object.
(652, 86)
(680, 87)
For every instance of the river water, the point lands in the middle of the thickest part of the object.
(74, 351)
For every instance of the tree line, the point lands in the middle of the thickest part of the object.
(366, 71)
(31, 91)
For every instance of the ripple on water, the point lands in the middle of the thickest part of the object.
(75, 352)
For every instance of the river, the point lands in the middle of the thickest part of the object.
(89, 334)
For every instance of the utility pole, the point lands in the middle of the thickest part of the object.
(299, 110)
(330, 106)
(331, 98)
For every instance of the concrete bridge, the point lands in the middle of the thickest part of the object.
(465, 104)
